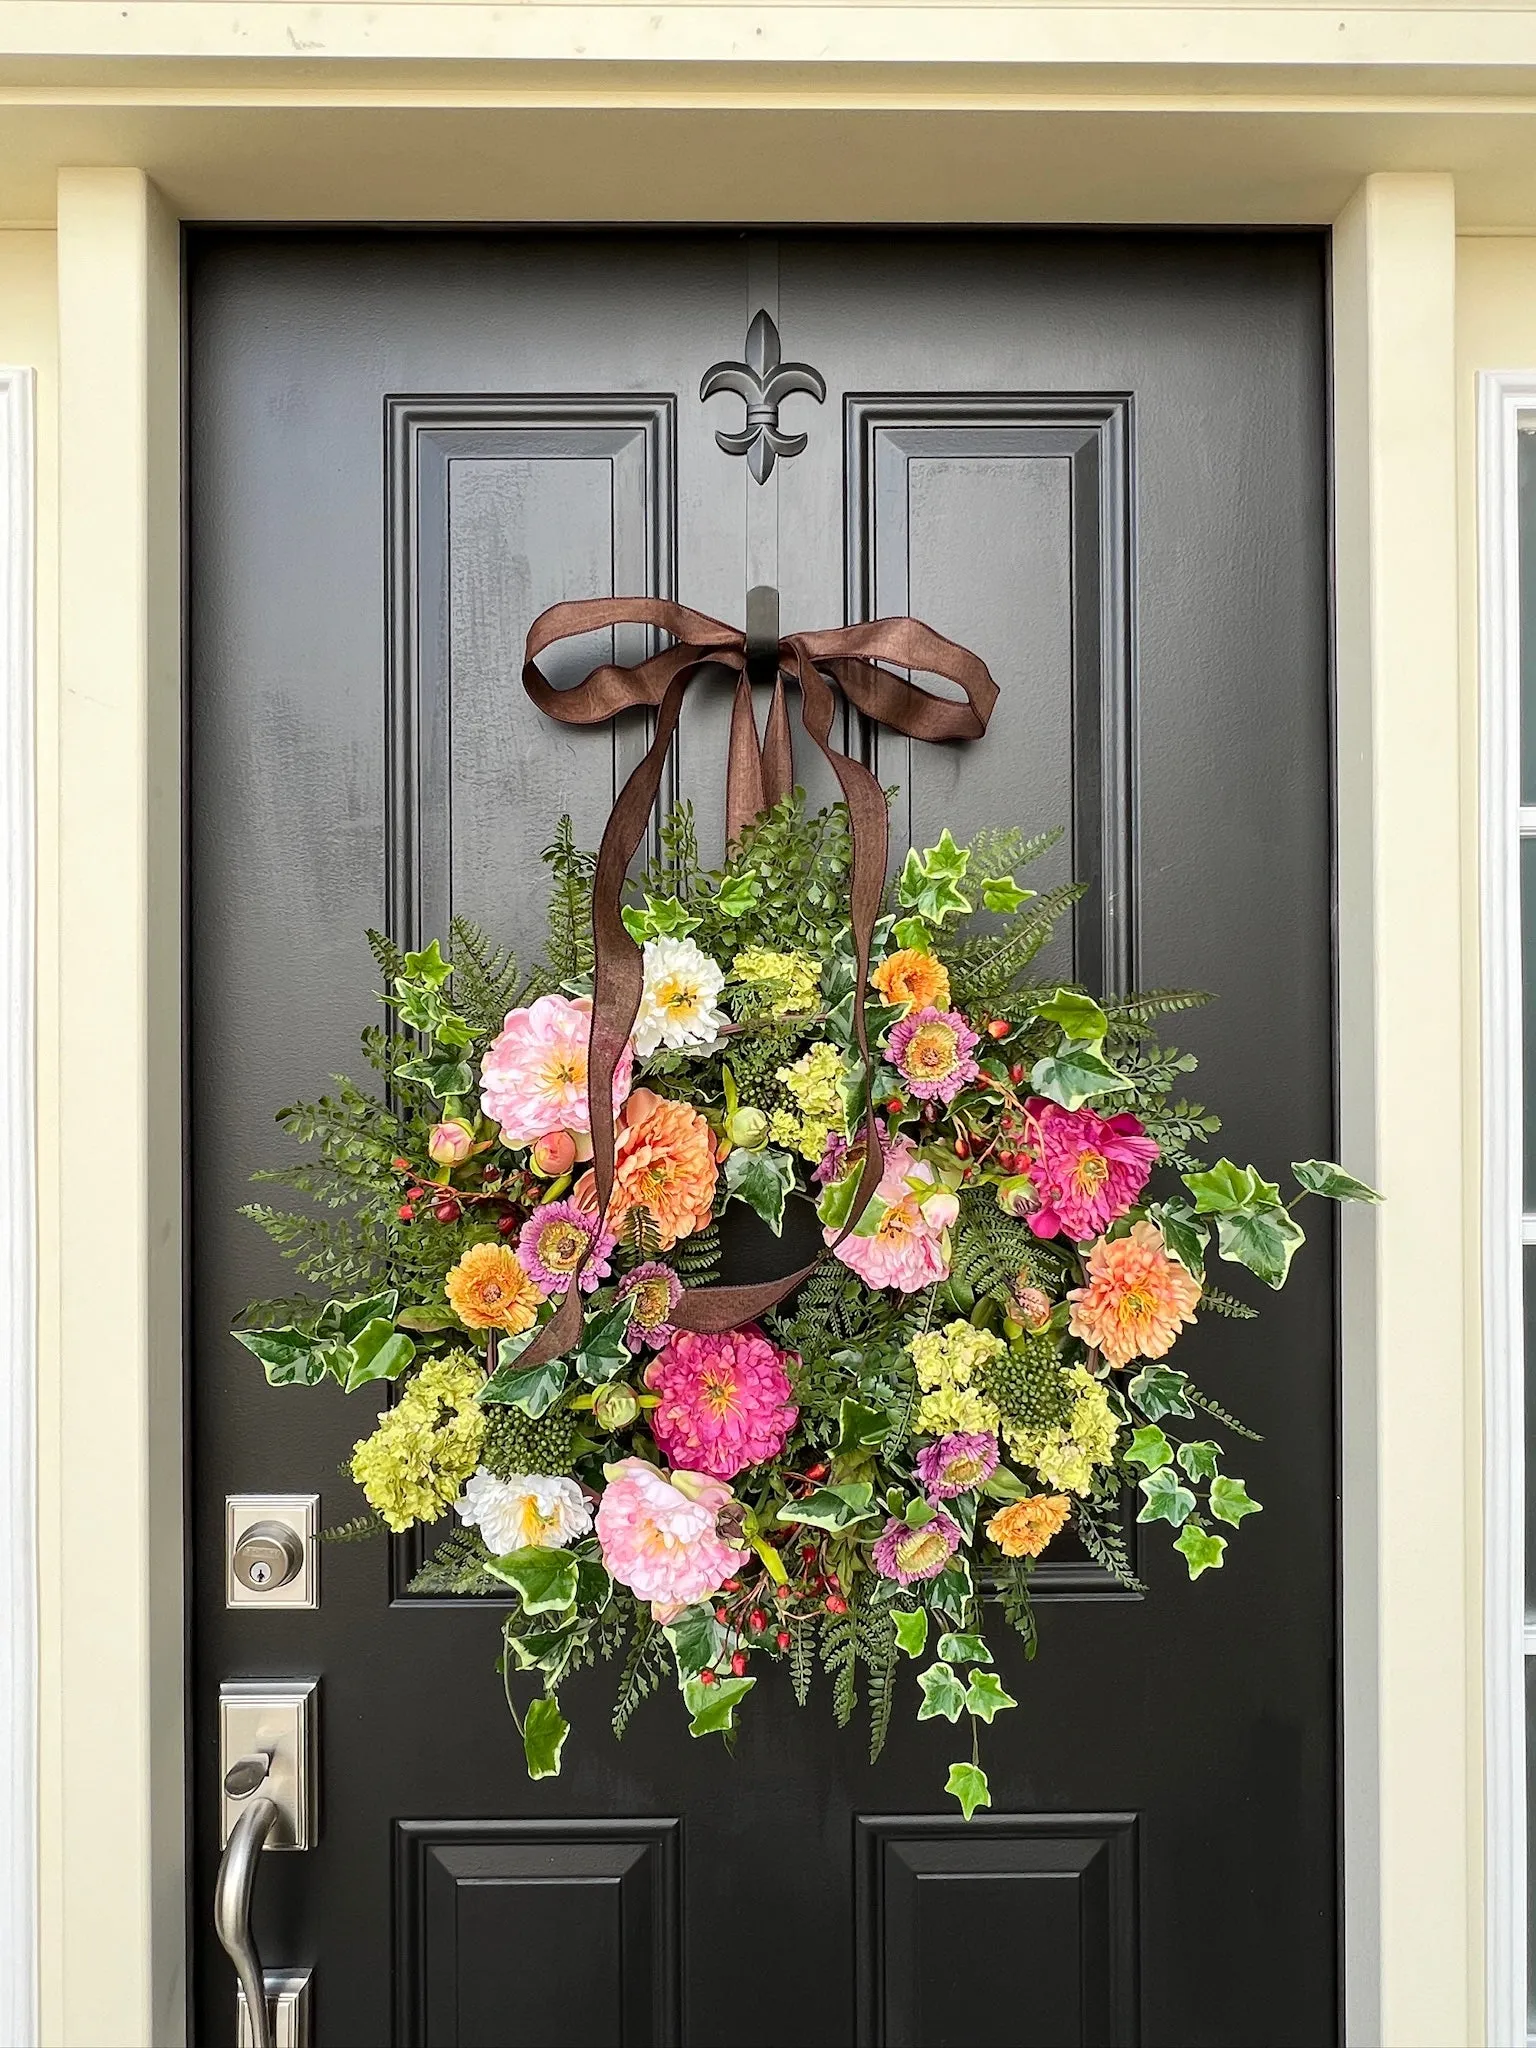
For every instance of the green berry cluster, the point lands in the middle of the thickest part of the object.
(1027, 1386)
(515, 1443)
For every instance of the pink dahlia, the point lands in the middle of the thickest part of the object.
(931, 1050)
(659, 1535)
(956, 1463)
(905, 1554)
(553, 1243)
(652, 1290)
(1087, 1170)
(725, 1400)
(533, 1078)
(907, 1249)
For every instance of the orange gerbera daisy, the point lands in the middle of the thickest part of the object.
(665, 1164)
(913, 980)
(488, 1290)
(1024, 1527)
(1137, 1297)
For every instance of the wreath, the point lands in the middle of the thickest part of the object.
(524, 1230)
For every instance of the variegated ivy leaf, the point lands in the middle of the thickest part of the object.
(1167, 1500)
(1149, 1448)
(713, 1707)
(911, 1629)
(1201, 1551)
(544, 1731)
(968, 1784)
(1199, 1459)
(985, 1698)
(1322, 1177)
(1230, 1501)
(942, 1694)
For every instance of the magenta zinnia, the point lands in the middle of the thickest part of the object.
(931, 1050)
(956, 1463)
(553, 1242)
(652, 1290)
(725, 1400)
(905, 1554)
(1087, 1170)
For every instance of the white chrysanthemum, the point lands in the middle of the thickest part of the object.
(530, 1512)
(677, 1006)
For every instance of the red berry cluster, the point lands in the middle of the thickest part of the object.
(506, 1191)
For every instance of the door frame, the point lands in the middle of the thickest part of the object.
(112, 1764)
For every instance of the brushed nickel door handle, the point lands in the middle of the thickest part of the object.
(232, 1900)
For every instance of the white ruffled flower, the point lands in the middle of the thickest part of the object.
(530, 1512)
(677, 1005)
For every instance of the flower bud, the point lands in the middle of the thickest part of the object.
(1034, 1304)
(1016, 1196)
(747, 1127)
(615, 1406)
(554, 1154)
(941, 1208)
(451, 1143)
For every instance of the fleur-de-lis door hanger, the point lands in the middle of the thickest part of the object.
(764, 382)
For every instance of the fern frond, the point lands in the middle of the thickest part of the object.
(1220, 1303)
(1104, 1541)
(999, 850)
(1220, 1414)
(360, 1529)
(388, 957)
(876, 1633)
(802, 1657)
(1142, 1005)
(840, 1660)
(643, 1670)
(485, 978)
(569, 956)
(457, 1566)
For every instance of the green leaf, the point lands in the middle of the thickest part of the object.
(1005, 1485)
(434, 1316)
(353, 1317)
(1079, 1016)
(289, 1357)
(1199, 1459)
(603, 1354)
(544, 1579)
(913, 933)
(1263, 1239)
(1167, 1500)
(738, 894)
(761, 1180)
(1230, 1501)
(534, 1389)
(695, 1638)
(833, 1507)
(1200, 1549)
(713, 1707)
(835, 1203)
(860, 1428)
(946, 859)
(950, 1592)
(1076, 1075)
(1322, 1177)
(544, 1731)
(911, 1629)
(428, 966)
(1004, 894)
(442, 1078)
(541, 1651)
(378, 1352)
(959, 1649)
(1150, 1449)
(927, 883)
(985, 1698)
(968, 1784)
(662, 917)
(1182, 1235)
(942, 1694)
(918, 1513)
(1158, 1390)
(1229, 1187)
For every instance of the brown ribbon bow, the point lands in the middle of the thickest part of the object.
(758, 775)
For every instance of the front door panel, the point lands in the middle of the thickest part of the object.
(1099, 461)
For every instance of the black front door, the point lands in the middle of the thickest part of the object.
(1099, 461)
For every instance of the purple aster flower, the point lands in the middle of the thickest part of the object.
(652, 1290)
(956, 1463)
(553, 1242)
(931, 1050)
(905, 1554)
(835, 1158)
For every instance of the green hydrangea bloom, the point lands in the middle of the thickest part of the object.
(789, 984)
(814, 1085)
(947, 1363)
(1067, 1456)
(416, 1462)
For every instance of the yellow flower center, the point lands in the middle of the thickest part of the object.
(931, 1051)
(567, 1070)
(920, 1550)
(678, 995)
(560, 1246)
(964, 1470)
(650, 1302)
(718, 1390)
(1090, 1172)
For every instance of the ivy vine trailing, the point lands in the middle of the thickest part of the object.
(978, 1369)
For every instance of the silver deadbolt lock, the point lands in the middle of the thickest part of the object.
(267, 1556)
(271, 1554)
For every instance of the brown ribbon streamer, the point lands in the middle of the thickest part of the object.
(758, 775)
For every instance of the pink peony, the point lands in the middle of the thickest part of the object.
(533, 1078)
(659, 1537)
(956, 1464)
(906, 1249)
(553, 1243)
(931, 1050)
(905, 1554)
(1087, 1170)
(725, 1400)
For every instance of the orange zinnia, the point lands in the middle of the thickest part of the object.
(664, 1164)
(1137, 1297)
(1024, 1527)
(489, 1290)
(913, 980)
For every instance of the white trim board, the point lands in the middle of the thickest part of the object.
(18, 1356)
(1502, 397)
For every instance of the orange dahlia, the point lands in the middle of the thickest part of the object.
(664, 1164)
(489, 1290)
(1137, 1297)
(1024, 1527)
(913, 980)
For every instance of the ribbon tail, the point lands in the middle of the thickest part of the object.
(744, 766)
(778, 750)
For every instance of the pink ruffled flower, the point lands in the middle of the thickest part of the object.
(533, 1078)
(1087, 1169)
(553, 1242)
(652, 1290)
(931, 1050)
(907, 1249)
(956, 1464)
(725, 1400)
(905, 1554)
(659, 1535)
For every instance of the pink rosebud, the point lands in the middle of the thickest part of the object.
(554, 1154)
(941, 1208)
(451, 1143)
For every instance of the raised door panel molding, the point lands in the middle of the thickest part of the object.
(497, 508)
(537, 1934)
(1063, 1885)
